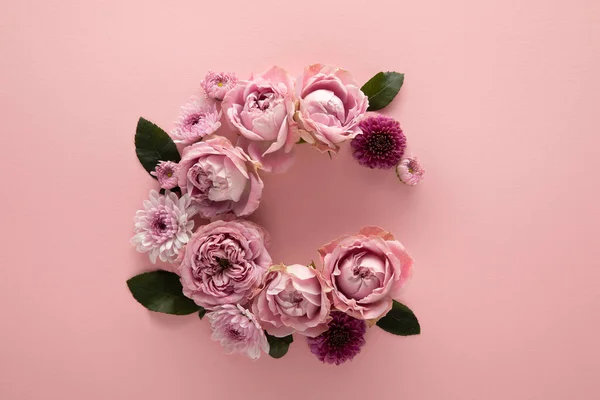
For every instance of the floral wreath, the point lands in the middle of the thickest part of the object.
(223, 268)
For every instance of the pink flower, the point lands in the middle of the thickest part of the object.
(166, 173)
(224, 262)
(217, 85)
(294, 299)
(220, 178)
(365, 272)
(164, 226)
(262, 109)
(331, 106)
(196, 121)
(410, 171)
(238, 331)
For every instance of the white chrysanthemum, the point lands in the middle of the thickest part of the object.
(164, 226)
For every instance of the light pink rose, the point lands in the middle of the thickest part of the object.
(365, 272)
(293, 300)
(330, 106)
(220, 178)
(224, 263)
(262, 109)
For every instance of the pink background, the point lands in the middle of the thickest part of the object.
(500, 102)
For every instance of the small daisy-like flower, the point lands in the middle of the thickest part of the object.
(166, 173)
(216, 85)
(196, 121)
(410, 171)
(238, 330)
(164, 226)
(381, 144)
(341, 342)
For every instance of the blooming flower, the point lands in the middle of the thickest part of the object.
(196, 121)
(410, 171)
(220, 178)
(293, 299)
(238, 331)
(164, 226)
(166, 173)
(262, 110)
(341, 342)
(216, 85)
(381, 144)
(330, 106)
(224, 262)
(365, 272)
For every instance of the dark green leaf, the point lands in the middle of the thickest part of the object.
(278, 347)
(152, 145)
(201, 313)
(175, 190)
(301, 141)
(400, 321)
(382, 88)
(161, 291)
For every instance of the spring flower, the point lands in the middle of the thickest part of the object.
(294, 299)
(262, 110)
(224, 263)
(330, 106)
(381, 144)
(217, 85)
(164, 226)
(365, 272)
(238, 331)
(220, 178)
(410, 171)
(341, 342)
(166, 173)
(196, 121)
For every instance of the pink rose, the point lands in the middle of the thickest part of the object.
(220, 178)
(365, 272)
(224, 262)
(331, 106)
(262, 109)
(293, 299)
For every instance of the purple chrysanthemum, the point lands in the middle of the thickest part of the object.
(381, 144)
(342, 340)
(166, 173)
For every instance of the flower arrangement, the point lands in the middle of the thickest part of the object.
(223, 267)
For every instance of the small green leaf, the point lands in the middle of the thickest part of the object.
(400, 320)
(161, 291)
(382, 88)
(201, 313)
(301, 141)
(278, 347)
(175, 190)
(153, 145)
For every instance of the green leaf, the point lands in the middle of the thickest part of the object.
(301, 141)
(278, 347)
(382, 88)
(400, 320)
(153, 145)
(175, 190)
(161, 291)
(201, 313)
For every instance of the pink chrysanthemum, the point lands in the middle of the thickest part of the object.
(410, 171)
(166, 173)
(238, 330)
(164, 226)
(381, 143)
(216, 85)
(196, 121)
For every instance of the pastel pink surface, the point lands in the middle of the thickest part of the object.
(500, 104)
